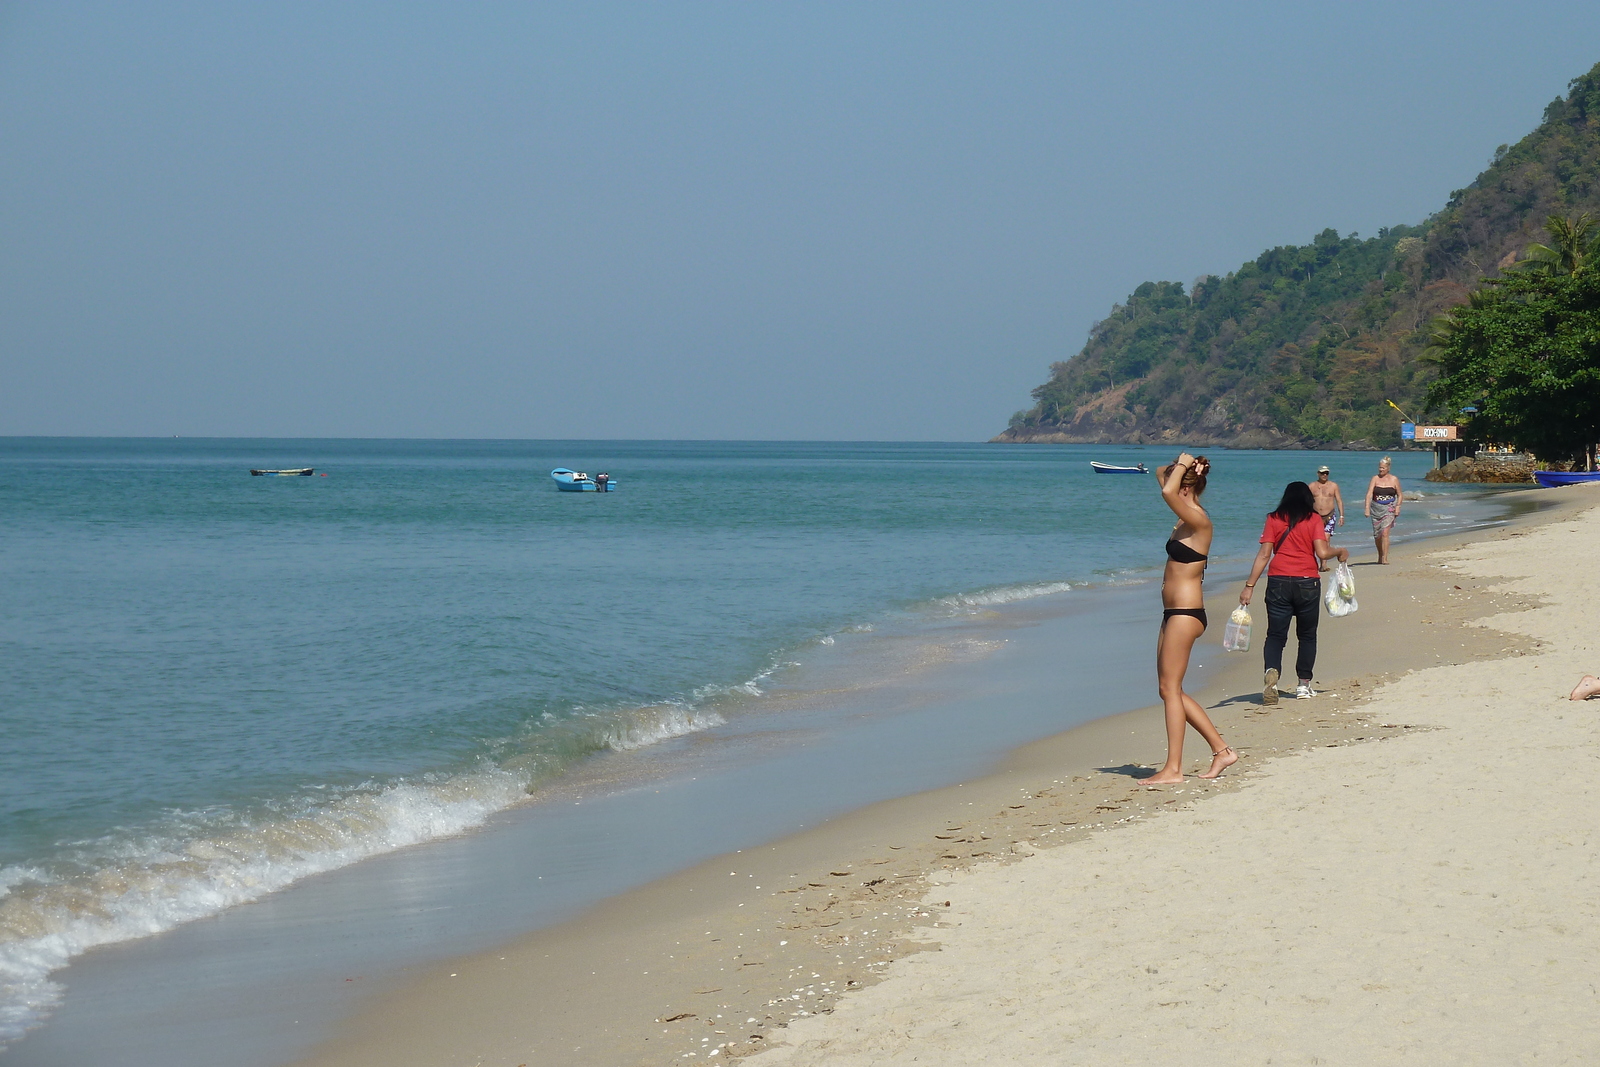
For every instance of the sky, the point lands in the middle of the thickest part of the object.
(818, 221)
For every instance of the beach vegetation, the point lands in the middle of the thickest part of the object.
(1574, 247)
(1524, 351)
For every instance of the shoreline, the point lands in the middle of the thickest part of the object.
(679, 965)
(1425, 900)
(275, 865)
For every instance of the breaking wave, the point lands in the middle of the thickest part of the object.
(1000, 594)
(140, 882)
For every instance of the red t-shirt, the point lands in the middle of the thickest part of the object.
(1297, 556)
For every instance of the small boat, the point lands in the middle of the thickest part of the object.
(298, 472)
(1112, 468)
(1552, 479)
(579, 482)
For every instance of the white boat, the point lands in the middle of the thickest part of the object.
(297, 472)
(1112, 468)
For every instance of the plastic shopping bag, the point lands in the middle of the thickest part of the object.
(1340, 596)
(1236, 635)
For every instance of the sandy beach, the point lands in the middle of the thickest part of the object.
(1398, 871)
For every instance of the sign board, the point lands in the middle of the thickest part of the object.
(1436, 433)
(1408, 431)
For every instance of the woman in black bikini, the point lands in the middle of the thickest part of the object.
(1183, 619)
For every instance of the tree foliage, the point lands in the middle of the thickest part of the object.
(1305, 343)
(1525, 352)
(1574, 246)
(1278, 343)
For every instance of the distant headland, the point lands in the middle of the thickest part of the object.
(1303, 347)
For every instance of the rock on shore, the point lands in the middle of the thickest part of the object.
(1496, 469)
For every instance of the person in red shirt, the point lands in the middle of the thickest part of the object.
(1292, 541)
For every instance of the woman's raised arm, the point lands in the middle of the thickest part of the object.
(1171, 480)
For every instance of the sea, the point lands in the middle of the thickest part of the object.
(221, 690)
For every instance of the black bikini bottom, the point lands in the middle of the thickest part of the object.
(1197, 613)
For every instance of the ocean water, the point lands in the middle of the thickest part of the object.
(217, 685)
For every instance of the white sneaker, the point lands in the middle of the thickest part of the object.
(1303, 691)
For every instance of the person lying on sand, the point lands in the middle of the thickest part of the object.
(1588, 686)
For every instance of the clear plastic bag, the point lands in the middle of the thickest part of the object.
(1236, 635)
(1340, 595)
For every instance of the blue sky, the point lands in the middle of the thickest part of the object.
(803, 221)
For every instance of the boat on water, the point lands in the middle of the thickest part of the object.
(1552, 479)
(1112, 468)
(298, 472)
(579, 482)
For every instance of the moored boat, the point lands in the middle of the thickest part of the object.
(1112, 468)
(579, 482)
(1552, 479)
(298, 472)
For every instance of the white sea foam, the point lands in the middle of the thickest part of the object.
(137, 887)
(665, 723)
(752, 687)
(200, 863)
(1003, 594)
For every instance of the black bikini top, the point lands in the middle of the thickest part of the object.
(1179, 552)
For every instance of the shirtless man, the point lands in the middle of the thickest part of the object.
(1330, 505)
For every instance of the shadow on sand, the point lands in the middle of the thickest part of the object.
(1128, 770)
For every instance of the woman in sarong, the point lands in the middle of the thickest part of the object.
(1383, 507)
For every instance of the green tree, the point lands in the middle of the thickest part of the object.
(1526, 353)
(1574, 247)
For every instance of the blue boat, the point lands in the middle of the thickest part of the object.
(579, 482)
(1552, 479)
(1112, 468)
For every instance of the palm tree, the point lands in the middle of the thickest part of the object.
(1574, 248)
(1442, 330)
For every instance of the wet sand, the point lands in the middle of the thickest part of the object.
(1392, 871)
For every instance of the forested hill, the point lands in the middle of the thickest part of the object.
(1302, 346)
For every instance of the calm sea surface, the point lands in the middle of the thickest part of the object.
(215, 684)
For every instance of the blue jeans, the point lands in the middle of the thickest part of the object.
(1301, 600)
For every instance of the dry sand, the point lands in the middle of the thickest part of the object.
(1333, 899)
(1427, 900)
